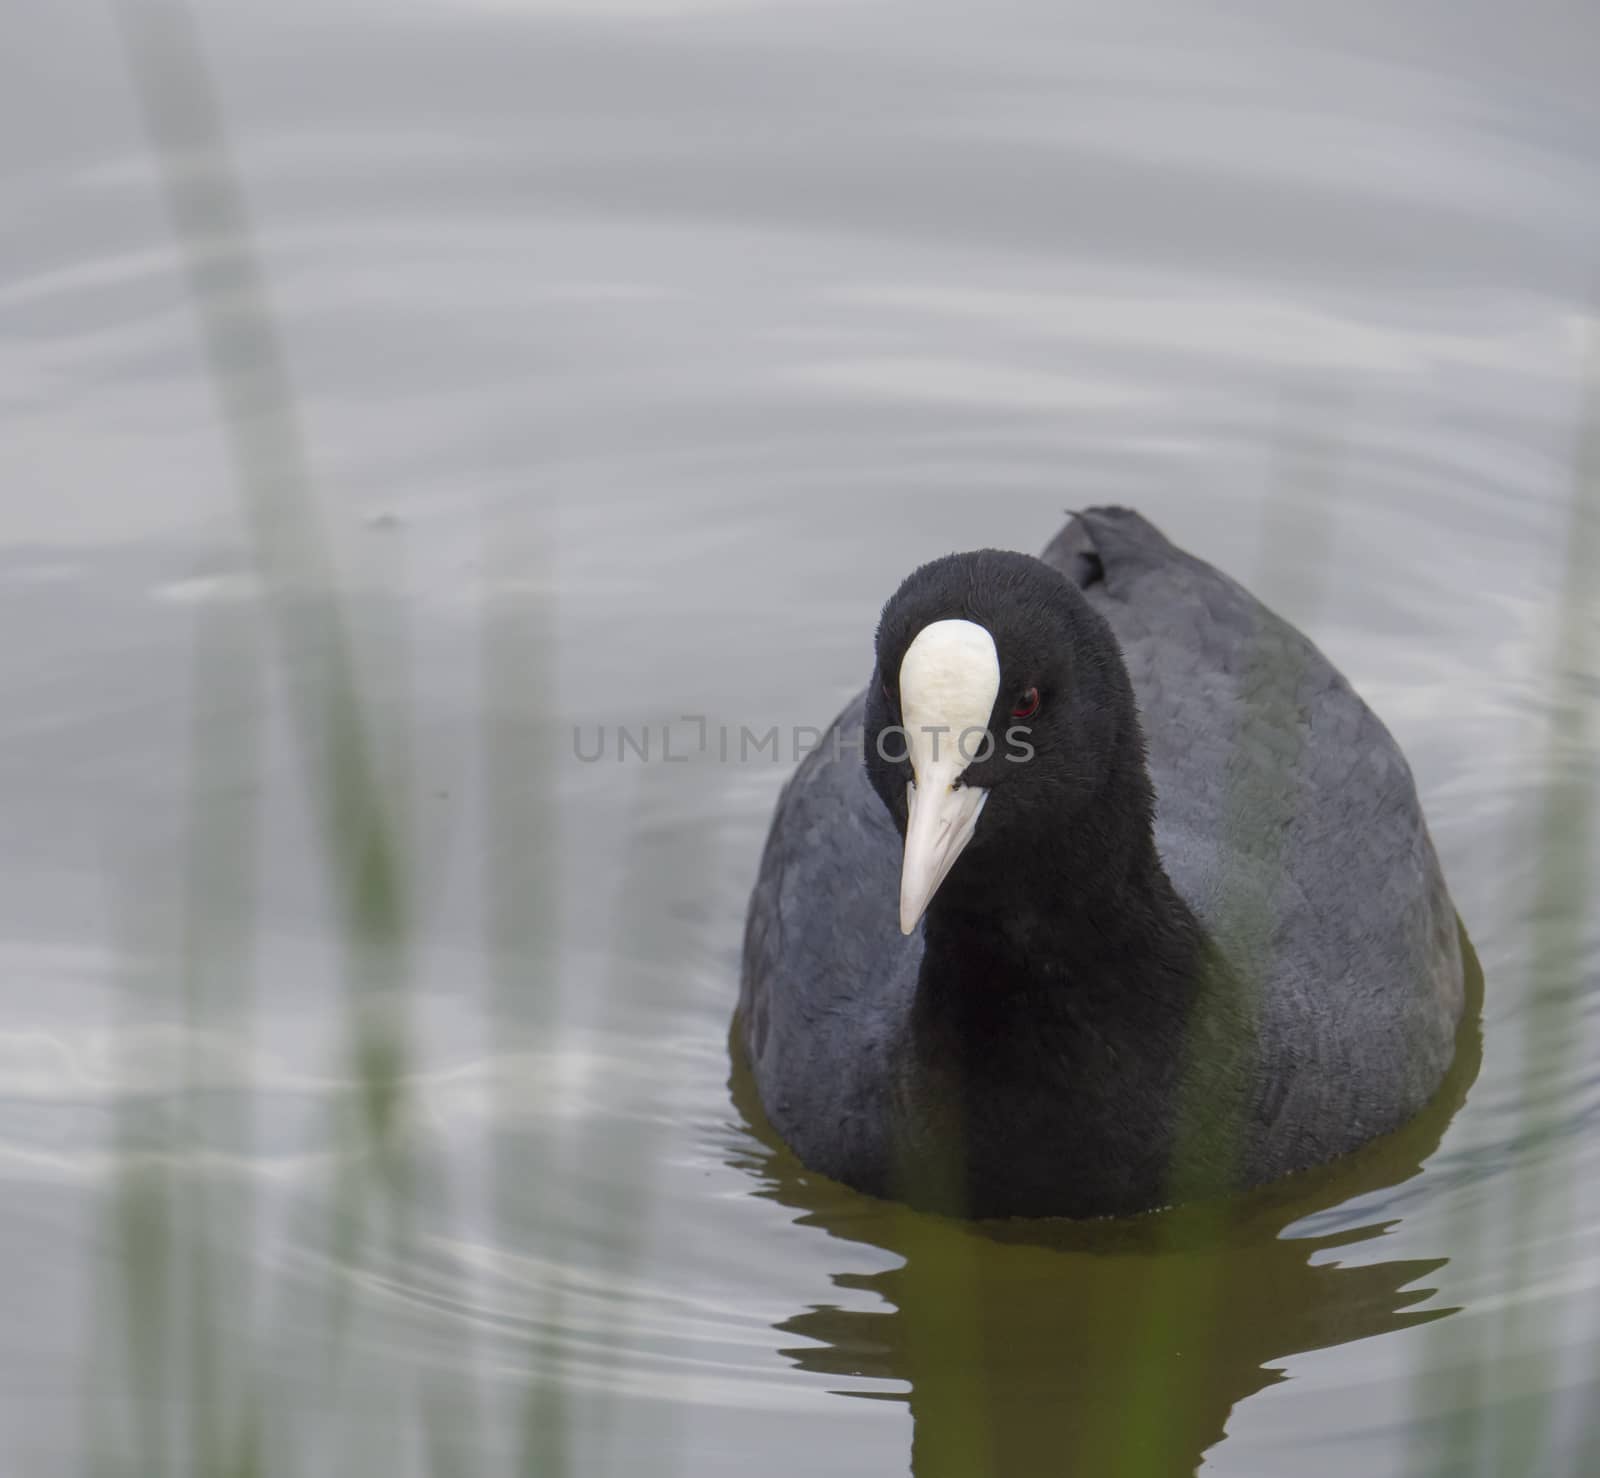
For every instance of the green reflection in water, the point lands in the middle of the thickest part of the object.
(1027, 1347)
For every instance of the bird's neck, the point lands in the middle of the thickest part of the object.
(1100, 917)
(1083, 902)
(1038, 1020)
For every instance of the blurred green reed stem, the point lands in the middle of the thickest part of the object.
(522, 910)
(945, 1337)
(1146, 1433)
(219, 910)
(360, 837)
(1563, 897)
(1499, 1407)
(172, 1188)
(357, 834)
(523, 887)
(646, 884)
(257, 408)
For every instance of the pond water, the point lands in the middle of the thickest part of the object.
(365, 1100)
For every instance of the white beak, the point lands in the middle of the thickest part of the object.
(942, 820)
(949, 677)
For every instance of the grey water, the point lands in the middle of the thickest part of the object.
(365, 1097)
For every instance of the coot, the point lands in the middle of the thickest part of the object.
(1107, 892)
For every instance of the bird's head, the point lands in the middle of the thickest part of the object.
(998, 706)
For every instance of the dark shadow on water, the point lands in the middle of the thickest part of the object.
(1104, 1348)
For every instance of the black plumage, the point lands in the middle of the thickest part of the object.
(1200, 938)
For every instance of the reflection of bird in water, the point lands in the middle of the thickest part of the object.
(1112, 1347)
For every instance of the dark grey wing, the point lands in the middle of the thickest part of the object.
(828, 976)
(1288, 818)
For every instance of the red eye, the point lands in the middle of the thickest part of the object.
(1027, 703)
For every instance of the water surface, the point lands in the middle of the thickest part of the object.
(636, 351)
